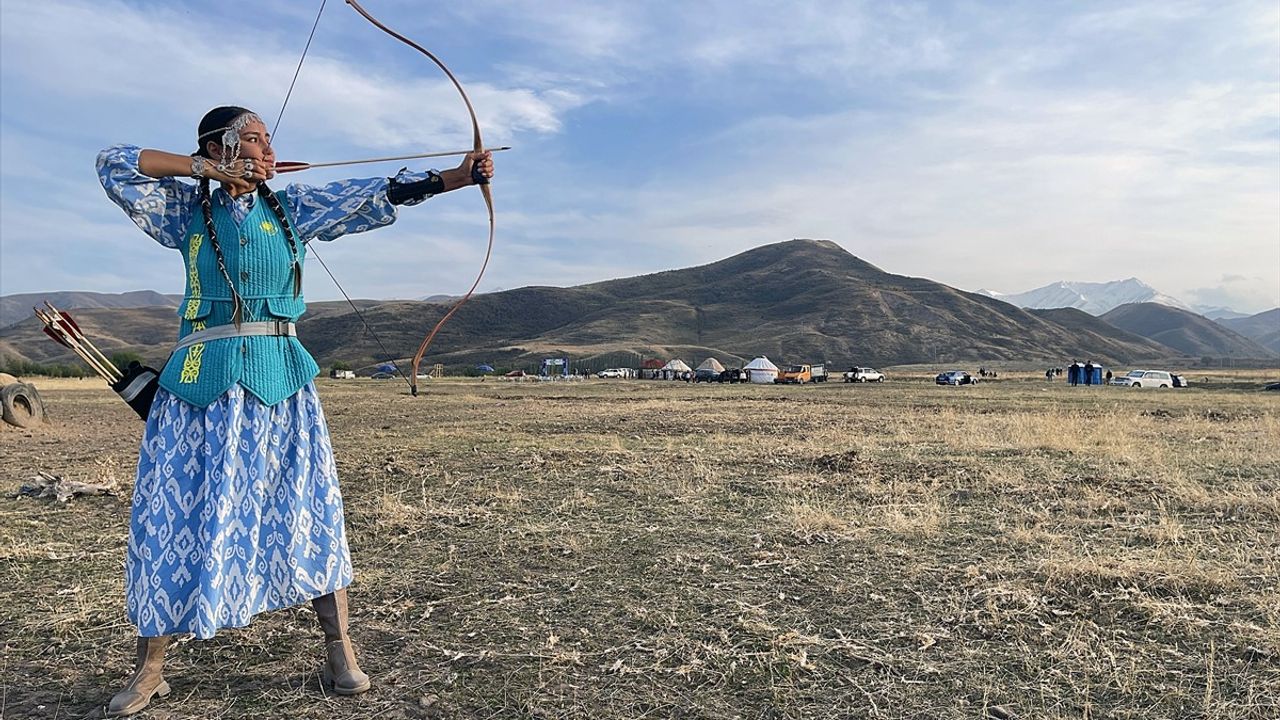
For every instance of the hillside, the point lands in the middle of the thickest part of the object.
(1263, 328)
(148, 331)
(1184, 331)
(793, 301)
(16, 308)
(1100, 333)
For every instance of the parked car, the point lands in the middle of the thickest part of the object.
(1178, 380)
(955, 377)
(863, 374)
(382, 376)
(736, 375)
(1145, 378)
(705, 375)
(611, 373)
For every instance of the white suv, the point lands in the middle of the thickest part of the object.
(1145, 378)
(863, 374)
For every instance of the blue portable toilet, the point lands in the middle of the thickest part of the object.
(1093, 373)
(1075, 373)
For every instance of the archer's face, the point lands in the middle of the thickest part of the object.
(255, 143)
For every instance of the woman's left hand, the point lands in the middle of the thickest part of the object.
(475, 169)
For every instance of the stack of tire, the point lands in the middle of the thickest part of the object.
(21, 401)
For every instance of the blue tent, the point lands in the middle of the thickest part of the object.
(388, 367)
(484, 368)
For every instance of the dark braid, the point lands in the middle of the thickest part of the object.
(237, 315)
(273, 202)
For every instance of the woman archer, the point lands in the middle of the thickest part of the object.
(236, 508)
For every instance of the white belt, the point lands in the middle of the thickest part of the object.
(281, 328)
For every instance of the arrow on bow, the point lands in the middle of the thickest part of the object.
(288, 166)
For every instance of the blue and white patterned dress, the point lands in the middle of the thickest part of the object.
(236, 508)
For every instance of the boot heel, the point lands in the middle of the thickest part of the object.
(162, 690)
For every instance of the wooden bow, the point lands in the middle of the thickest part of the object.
(485, 190)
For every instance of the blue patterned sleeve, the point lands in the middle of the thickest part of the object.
(344, 207)
(162, 207)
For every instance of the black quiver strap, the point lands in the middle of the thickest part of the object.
(138, 387)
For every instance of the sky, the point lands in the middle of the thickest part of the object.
(998, 145)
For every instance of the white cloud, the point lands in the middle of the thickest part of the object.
(978, 146)
(363, 104)
(1248, 294)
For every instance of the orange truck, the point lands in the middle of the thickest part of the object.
(801, 374)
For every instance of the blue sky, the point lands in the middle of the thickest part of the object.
(996, 145)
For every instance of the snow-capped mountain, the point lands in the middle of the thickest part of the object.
(1093, 298)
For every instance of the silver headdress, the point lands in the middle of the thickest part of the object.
(231, 138)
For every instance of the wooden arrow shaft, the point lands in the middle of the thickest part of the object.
(288, 166)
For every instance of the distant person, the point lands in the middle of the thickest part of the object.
(1108, 377)
(236, 507)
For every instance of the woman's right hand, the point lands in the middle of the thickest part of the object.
(242, 176)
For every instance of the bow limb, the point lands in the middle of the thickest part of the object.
(478, 147)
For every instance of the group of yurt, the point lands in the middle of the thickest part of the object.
(759, 370)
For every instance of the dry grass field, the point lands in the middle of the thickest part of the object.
(630, 549)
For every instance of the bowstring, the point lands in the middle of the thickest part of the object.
(311, 246)
(298, 70)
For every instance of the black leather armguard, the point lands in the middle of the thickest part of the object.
(400, 193)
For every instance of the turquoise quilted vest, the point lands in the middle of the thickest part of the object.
(259, 260)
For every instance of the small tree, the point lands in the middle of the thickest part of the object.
(340, 365)
(122, 358)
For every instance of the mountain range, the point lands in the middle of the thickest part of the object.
(794, 301)
(1092, 297)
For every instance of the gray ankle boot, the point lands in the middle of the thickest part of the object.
(147, 681)
(340, 668)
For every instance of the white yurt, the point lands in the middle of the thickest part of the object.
(675, 369)
(761, 370)
(712, 365)
(677, 366)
